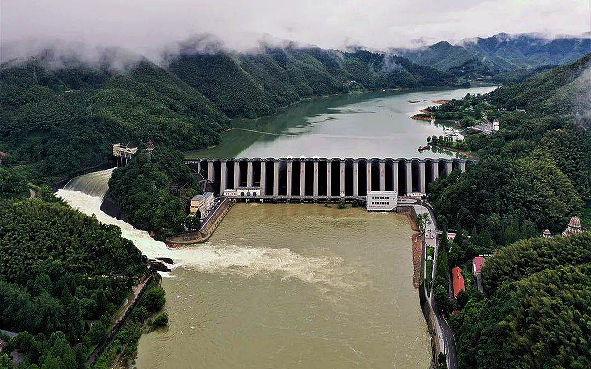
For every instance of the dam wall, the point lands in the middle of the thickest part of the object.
(323, 178)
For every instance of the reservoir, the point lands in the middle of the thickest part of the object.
(295, 286)
(357, 125)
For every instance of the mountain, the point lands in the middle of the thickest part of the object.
(499, 53)
(255, 84)
(58, 121)
(60, 115)
(562, 90)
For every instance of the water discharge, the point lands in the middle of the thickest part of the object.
(285, 286)
(94, 184)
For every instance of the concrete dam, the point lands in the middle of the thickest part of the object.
(323, 179)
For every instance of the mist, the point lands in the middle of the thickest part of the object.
(151, 27)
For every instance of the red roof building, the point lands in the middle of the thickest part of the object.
(458, 280)
(477, 264)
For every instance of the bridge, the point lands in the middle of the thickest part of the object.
(323, 179)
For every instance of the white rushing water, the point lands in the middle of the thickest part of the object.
(219, 258)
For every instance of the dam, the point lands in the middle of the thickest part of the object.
(314, 179)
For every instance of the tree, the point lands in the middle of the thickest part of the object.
(98, 331)
(423, 220)
(154, 299)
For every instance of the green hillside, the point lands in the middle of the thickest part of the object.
(533, 174)
(537, 313)
(493, 56)
(56, 122)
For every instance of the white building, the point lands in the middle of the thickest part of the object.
(381, 200)
(202, 204)
(496, 125)
(120, 150)
(245, 192)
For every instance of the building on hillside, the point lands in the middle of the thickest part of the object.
(2, 156)
(573, 227)
(477, 264)
(451, 236)
(123, 153)
(496, 125)
(458, 280)
(202, 204)
(381, 200)
(243, 192)
(547, 234)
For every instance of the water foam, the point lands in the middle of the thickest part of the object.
(94, 184)
(223, 257)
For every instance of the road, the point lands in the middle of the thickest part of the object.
(443, 332)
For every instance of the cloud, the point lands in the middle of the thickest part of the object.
(147, 26)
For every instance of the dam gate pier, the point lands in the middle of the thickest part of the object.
(321, 179)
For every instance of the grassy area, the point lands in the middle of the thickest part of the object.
(429, 270)
(430, 252)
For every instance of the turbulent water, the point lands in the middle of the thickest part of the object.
(294, 286)
(94, 184)
(285, 286)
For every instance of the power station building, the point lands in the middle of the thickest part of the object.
(381, 200)
(202, 204)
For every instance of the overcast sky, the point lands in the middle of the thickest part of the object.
(145, 26)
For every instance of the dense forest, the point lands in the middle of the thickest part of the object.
(154, 191)
(537, 313)
(536, 169)
(533, 174)
(502, 57)
(63, 276)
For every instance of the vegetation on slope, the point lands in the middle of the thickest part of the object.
(62, 277)
(502, 57)
(58, 121)
(538, 310)
(537, 168)
(154, 191)
(533, 174)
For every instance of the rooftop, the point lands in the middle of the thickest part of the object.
(458, 280)
(206, 194)
(478, 263)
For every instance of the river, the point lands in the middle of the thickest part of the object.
(295, 286)
(375, 124)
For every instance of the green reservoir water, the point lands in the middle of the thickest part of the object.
(375, 124)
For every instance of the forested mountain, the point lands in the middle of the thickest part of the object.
(57, 121)
(544, 141)
(154, 191)
(63, 275)
(251, 85)
(563, 90)
(537, 313)
(533, 174)
(62, 115)
(498, 54)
